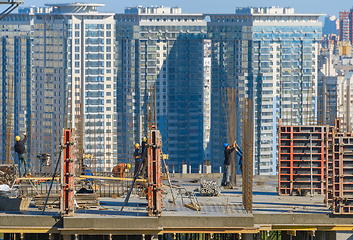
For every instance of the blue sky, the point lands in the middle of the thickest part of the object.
(331, 7)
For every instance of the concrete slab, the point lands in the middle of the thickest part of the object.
(218, 214)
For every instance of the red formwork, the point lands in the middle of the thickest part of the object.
(154, 172)
(341, 199)
(67, 175)
(302, 157)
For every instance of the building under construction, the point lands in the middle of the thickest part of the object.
(311, 198)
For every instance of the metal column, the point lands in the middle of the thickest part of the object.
(154, 172)
(67, 175)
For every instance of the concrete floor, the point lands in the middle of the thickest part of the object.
(218, 214)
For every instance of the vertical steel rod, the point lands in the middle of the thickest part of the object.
(311, 165)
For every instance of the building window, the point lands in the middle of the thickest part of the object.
(77, 26)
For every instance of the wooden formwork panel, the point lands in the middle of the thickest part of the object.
(302, 159)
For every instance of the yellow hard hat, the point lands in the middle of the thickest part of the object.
(128, 166)
(17, 138)
(137, 145)
(144, 139)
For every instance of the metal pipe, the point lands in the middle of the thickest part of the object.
(52, 180)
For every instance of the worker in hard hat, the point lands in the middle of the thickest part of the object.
(226, 165)
(120, 169)
(20, 149)
(143, 145)
(137, 157)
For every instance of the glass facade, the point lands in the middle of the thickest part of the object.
(270, 55)
(70, 77)
(104, 69)
(15, 89)
(166, 51)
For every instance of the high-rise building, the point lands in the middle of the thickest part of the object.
(161, 47)
(102, 72)
(344, 101)
(331, 25)
(345, 26)
(16, 87)
(71, 75)
(269, 55)
(327, 90)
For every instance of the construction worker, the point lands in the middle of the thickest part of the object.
(137, 157)
(226, 165)
(143, 145)
(20, 148)
(120, 169)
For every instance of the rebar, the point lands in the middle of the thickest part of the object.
(229, 99)
(248, 145)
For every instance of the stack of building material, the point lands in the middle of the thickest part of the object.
(82, 199)
(210, 188)
(302, 159)
(7, 173)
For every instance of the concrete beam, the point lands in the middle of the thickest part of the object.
(302, 219)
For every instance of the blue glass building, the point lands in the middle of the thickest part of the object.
(270, 56)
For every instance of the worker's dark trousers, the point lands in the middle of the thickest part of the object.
(23, 160)
(137, 164)
(226, 174)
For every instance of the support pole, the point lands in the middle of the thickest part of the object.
(52, 180)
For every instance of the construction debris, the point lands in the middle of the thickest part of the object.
(7, 173)
(210, 188)
(193, 206)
